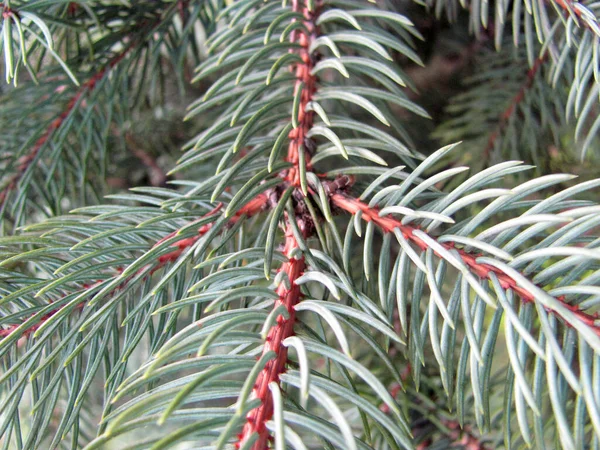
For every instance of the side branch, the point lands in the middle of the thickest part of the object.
(251, 208)
(514, 103)
(484, 271)
(25, 161)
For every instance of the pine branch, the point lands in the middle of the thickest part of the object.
(252, 207)
(304, 89)
(289, 296)
(25, 161)
(293, 180)
(508, 110)
(288, 292)
(218, 370)
(388, 224)
(568, 30)
(514, 103)
(138, 35)
(6, 332)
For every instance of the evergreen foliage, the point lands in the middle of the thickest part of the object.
(307, 274)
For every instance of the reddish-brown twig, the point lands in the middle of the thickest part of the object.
(5, 332)
(25, 161)
(307, 82)
(514, 103)
(293, 268)
(257, 418)
(388, 224)
(251, 208)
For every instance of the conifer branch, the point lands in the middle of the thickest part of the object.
(251, 208)
(248, 210)
(307, 82)
(25, 161)
(136, 41)
(5, 332)
(132, 277)
(289, 296)
(514, 103)
(482, 270)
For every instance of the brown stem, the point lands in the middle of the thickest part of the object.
(5, 332)
(307, 82)
(257, 418)
(251, 208)
(25, 161)
(388, 224)
(511, 108)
